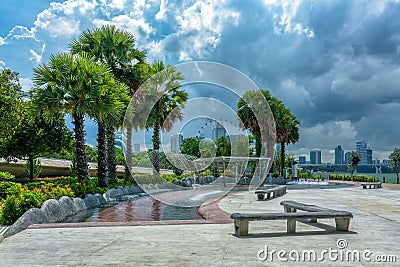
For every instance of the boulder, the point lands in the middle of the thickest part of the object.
(91, 201)
(52, 209)
(79, 204)
(31, 216)
(102, 200)
(67, 205)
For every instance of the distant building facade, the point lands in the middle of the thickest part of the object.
(218, 131)
(347, 157)
(302, 160)
(339, 155)
(315, 156)
(364, 151)
(176, 142)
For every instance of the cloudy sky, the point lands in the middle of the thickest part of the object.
(335, 64)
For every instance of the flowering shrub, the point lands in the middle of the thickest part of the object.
(20, 199)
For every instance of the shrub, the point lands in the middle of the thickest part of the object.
(3, 189)
(6, 176)
(20, 199)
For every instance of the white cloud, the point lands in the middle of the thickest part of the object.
(139, 27)
(35, 56)
(161, 14)
(26, 84)
(285, 18)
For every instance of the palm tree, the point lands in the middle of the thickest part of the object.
(116, 48)
(107, 107)
(286, 123)
(66, 85)
(164, 85)
(287, 131)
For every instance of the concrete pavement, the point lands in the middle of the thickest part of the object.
(375, 227)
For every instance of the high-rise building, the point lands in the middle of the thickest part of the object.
(302, 160)
(218, 131)
(347, 157)
(369, 156)
(176, 142)
(339, 155)
(315, 156)
(364, 151)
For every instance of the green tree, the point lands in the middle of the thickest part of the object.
(395, 162)
(354, 159)
(223, 146)
(10, 102)
(190, 146)
(67, 85)
(35, 137)
(164, 85)
(116, 48)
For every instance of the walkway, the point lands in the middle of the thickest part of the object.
(375, 227)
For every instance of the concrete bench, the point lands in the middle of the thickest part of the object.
(292, 206)
(263, 194)
(241, 221)
(372, 185)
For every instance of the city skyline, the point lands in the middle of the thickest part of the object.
(341, 156)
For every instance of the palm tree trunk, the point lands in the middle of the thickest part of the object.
(128, 151)
(156, 140)
(102, 180)
(111, 157)
(282, 157)
(80, 150)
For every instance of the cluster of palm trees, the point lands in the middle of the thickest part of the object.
(96, 79)
(286, 124)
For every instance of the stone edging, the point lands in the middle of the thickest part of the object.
(53, 210)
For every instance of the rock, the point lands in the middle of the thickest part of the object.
(102, 200)
(112, 192)
(52, 209)
(79, 204)
(120, 191)
(67, 205)
(31, 216)
(91, 201)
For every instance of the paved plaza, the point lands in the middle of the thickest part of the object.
(374, 235)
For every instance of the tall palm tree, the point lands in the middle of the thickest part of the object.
(287, 131)
(286, 123)
(107, 107)
(66, 85)
(164, 84)
(116, 48)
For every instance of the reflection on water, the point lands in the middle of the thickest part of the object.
(139, 209)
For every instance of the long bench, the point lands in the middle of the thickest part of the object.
(263, 194)
(372, 185)
(342, 218)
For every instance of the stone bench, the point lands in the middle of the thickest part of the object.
(263, 194)
(372, 185)
(342, 218)
(292, 206)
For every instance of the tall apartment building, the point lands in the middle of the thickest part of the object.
(339, 155)
(364, 151)
(315, 156)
